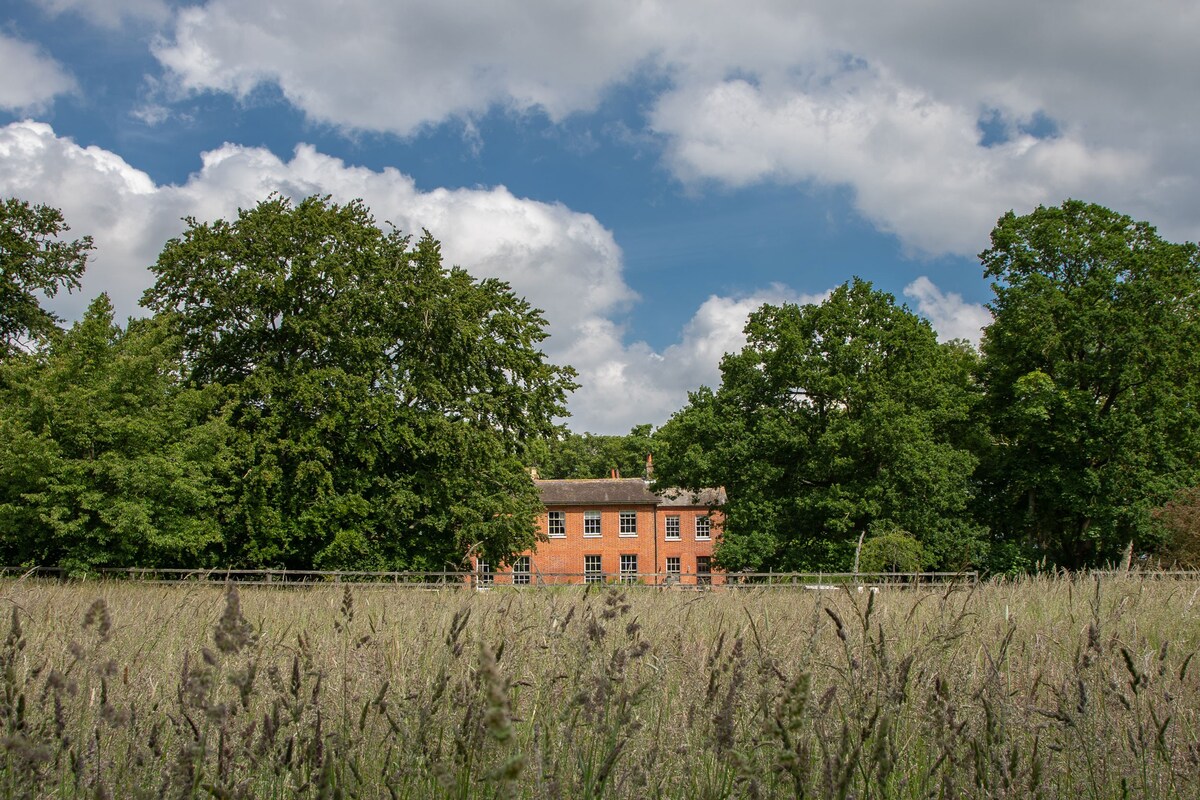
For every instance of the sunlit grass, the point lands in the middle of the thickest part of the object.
(1041, 687)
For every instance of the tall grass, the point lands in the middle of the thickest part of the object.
(1035, 688)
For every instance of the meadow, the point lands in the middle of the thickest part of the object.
(1047, 687)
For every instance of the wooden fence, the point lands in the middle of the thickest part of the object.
(485, 580)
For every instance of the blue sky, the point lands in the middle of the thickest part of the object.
(646, 171)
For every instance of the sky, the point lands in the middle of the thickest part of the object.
(647, 172)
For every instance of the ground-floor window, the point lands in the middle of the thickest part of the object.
(591, 570)
(483, 573)
(703, 569)
(629, 568)
(673, 569)
(520, 571)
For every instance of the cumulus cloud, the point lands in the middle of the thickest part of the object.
(951, 316)
(882, 96)
(916, 164)
(29, 79)
(109, 13)
(563, 261)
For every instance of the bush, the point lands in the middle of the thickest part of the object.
(892, 551)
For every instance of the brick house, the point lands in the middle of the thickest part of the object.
(616, 529)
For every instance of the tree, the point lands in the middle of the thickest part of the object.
(592, 455)
(106, 459)
(835, 420)
(382, 401)
(33, 260)
(1091, 376)
(1180, 522)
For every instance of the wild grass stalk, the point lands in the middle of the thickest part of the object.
(1043, 687)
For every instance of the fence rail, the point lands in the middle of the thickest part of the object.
(486, 580)
(456, 579)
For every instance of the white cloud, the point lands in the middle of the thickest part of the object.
(916, 163)
(951, 316)
(882, 96)
(29, 79)
(634, 384)
(109, 13)
(563, 261)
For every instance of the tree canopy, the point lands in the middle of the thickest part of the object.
(106, 457)
(591, 455)
(33, 260)
(835, 420)
(382, 401)
(1091, 376)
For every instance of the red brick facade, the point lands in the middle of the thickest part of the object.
(617, 530)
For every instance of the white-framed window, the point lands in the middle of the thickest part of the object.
(628, 524)
(673, 569)
(673, 527)
(703, 528)
(483, 573)
(556, 523)
(703, 570)
(629, 568)
(591, 570)
(520, 571)
(591, 523)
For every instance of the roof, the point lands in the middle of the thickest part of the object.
(621, 492)
(602, 491)
(682, 497)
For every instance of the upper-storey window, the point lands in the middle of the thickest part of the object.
(703, 528)
(556, 523)
(673, 526)
(628, 523)
(591, 523)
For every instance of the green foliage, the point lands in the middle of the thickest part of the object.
(833, 419)
(591, 455)
(33, 262)
(106, 458)
(383, 403)
(891, 551)
(1091, 379)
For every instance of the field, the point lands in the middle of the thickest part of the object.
(1048, 687)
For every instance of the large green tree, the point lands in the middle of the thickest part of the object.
(106, 458)
(34, 262)
(383, 401)
(1092, 374)
(836, 420)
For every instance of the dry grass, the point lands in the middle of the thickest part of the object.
(1037, 688)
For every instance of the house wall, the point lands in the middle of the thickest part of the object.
(560, 559)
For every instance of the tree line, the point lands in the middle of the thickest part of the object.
(1068, 439)
(310, 390)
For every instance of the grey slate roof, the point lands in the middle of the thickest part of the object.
(682, 497)
(620, 491)
(604, 491)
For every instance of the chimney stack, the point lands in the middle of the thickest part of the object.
(650, 466)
